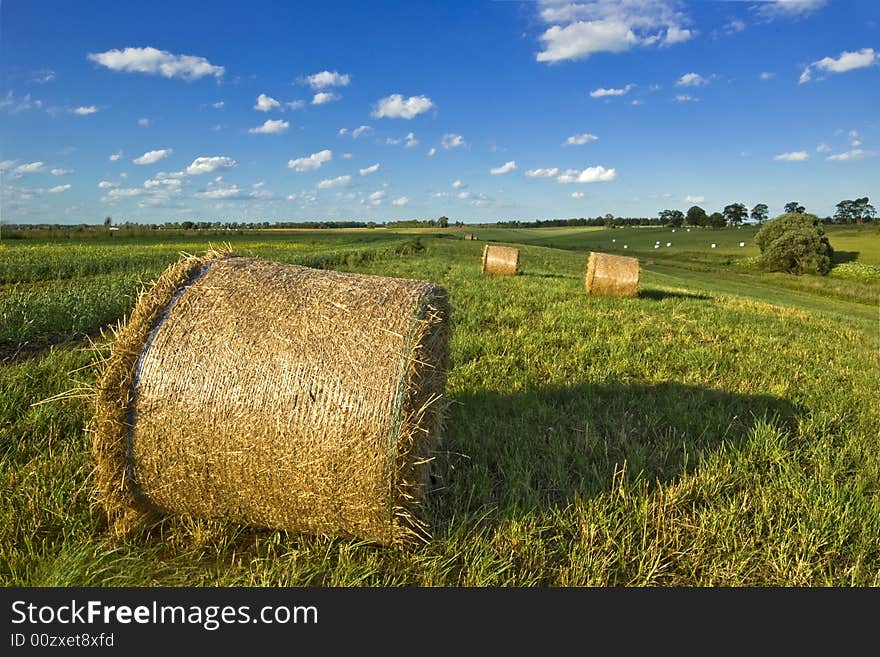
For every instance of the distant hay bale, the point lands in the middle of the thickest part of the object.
(612, 275)
(470, 236)
(500, 260)
(275, 395)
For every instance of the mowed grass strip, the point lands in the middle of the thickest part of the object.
(693, 436)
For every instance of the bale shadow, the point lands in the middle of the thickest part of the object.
(542, 448)
(659, 295)
(536, 275)
(841, 257)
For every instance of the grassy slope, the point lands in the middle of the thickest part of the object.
(718, 430)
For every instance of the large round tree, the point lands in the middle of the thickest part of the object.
(794, 243)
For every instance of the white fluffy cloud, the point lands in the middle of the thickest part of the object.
(115, 156)
(61, 172)
(694, 199)
(370, 169)
(270, 127)
(578, 194)
(221, 193)
(84, 111)
(401, 201)
(677, 35)
(507, 167)
(602, 93)
(157, 62)
(594, 174)
(855, 154)
(58, 189)
(125, 192)
(356, 132)
(266, 103)
(823, 148)
(691, 80)
(846, 61)
(793, 156)
(106, 184)
(323, 97)
(202, 165)
(151, 157)
(396, 106)
(580, 29)
(339, 181)
(328, 79)
(542, 173)
(583, 38)
(432, 152)
(457, 184)
(580, 140)
(787, 8)
(163, 183)
(408, 142)
(685, 98)
(30, 167)
(311, 162)
(451, 141)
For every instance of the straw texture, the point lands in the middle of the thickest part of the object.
(500, 260)
(275, 395)
(612, 275)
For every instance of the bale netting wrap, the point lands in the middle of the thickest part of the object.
(500, 260)
(275, 395)
(612, 275)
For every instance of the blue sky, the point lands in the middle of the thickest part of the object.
(166, 111)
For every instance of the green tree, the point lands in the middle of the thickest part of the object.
(759, 212)
(108, 221)
(443, 222)
(717, 220)
(671, 217)
(696, 216)
(793, 207)
(795, 243)
(735, 213)
(858, 211)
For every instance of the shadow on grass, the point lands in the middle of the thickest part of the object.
(541, 448)
(534, 275)
(659, 295)
(840, 257)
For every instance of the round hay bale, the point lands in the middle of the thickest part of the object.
(470, 236)
(275, 395)
(612, 275)
(500, 260)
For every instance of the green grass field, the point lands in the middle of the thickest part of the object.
(722, 429)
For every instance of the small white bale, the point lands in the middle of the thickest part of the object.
(714, 245)
(625, 246)
(673, 230)
(689, 230)
(742, 243)
(656, 246)
(668, 243)
(614, 240)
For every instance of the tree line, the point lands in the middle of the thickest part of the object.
(857, 211)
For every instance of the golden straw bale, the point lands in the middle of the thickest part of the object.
(612, 275)
(500, 260)
(275, 395)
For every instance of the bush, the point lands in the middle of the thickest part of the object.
(794, 243)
